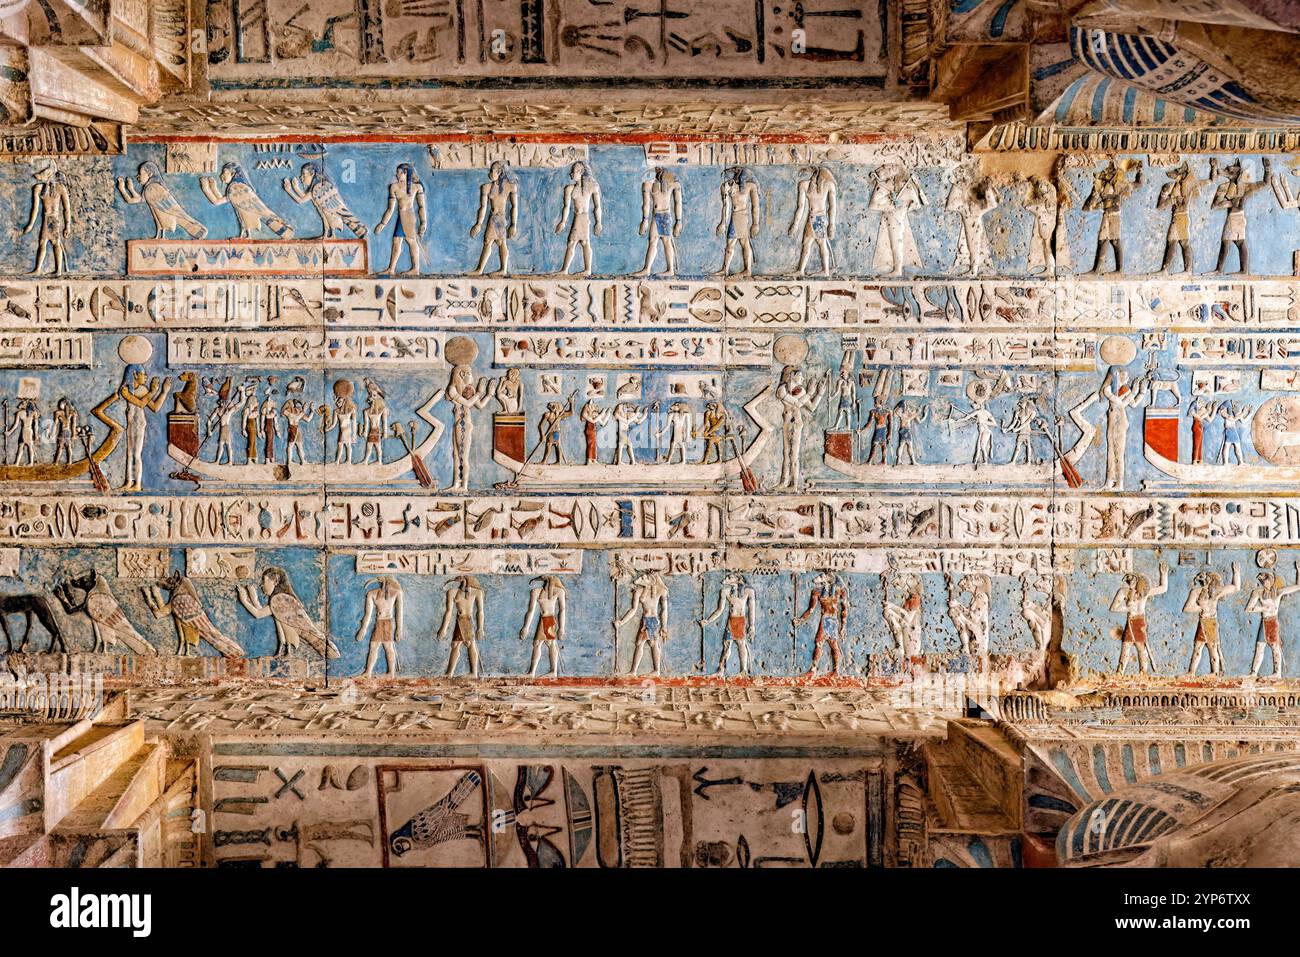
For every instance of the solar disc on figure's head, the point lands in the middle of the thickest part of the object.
(461, 350)
(790, 350)
(1118, 350)
(134, 349)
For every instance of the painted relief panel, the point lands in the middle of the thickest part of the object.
(544, 38)
(386, 806)
(696, 410)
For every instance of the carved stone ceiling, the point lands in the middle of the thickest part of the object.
(844, 69)
(729, 68)
(830, 116)
(927, 428)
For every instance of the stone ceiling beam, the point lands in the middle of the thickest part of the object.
(70, 63)
(983, 82)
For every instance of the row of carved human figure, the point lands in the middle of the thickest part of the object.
(546, 617)
(260, 426)
(865, 435)
(895, 191)
(465, 616)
